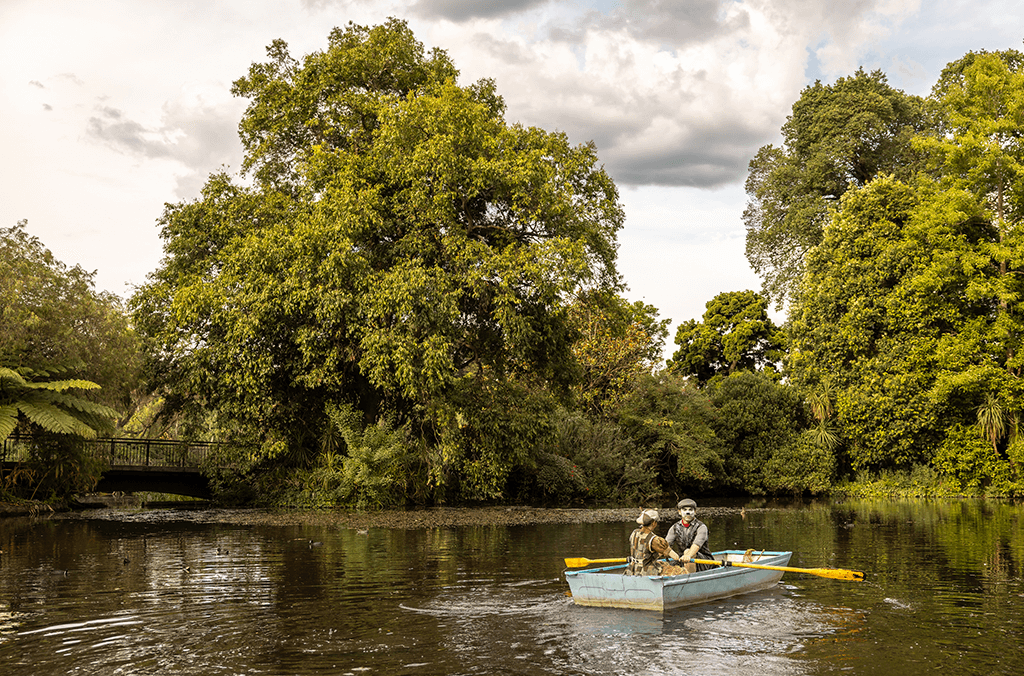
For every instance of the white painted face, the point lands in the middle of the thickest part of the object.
(687, 514)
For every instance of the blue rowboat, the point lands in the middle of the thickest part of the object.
(612, 588)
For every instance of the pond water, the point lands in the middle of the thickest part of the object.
(172, 592)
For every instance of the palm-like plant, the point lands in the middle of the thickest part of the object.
(49, 405)
(992, 421)
(820, 401)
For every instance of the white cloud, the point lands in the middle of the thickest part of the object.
(673, 93)
(113, 107)
(197, 130)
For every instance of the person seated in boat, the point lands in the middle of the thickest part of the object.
(646, 549)
(690, 536)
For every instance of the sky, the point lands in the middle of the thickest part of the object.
(110, 109)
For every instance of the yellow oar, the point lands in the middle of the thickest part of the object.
(833, 573)
(580, 562)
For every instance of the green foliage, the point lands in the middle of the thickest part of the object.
(48, 406)
(736, 335)
(67, 358)
(673, 423)
(979, 107)
(970, 464)
(54, 468)
(53, 320)
(976, 155)
(992, 421)
(333, 99)
(618, 343)
(377, 468)
(756, 418)
(910, 304)
(559, 480)
(894, 232)
(866, 324)
(839, 136)
(370, 467)
(916, 482)
(489, 429)
(803, 465)
(594, 460)
(403, 250)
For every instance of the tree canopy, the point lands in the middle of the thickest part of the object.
(838, 136)
(736, 334)
(910, 308)
(58, 334)
(403, 250)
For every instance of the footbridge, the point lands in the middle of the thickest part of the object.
(134, 465)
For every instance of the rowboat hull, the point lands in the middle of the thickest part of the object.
(610, 587)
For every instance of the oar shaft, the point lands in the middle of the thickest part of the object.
(834, 573)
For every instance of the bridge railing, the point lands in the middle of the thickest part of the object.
(125, 451)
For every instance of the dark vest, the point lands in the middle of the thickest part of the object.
(641, 556)
(680, 538)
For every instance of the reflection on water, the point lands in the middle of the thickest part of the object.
(166, 592)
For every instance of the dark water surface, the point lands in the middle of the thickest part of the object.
(165, 592)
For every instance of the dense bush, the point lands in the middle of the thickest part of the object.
(803, 465)
(969, 463)
(606, 464)
(756, 417)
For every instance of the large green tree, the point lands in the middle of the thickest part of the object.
(757, 419)
(976, 160)
(52, 319)
(619, 343)
(736, 334)
(864, 326)
(907, 314)
(893, 319)
(838, 135)
(403, 249)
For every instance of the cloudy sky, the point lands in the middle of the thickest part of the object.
(112, 108)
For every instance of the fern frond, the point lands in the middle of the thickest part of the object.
(84, 429)
(10, 376)
(86, 406)
(61, 385)
(8, 420)
(49, 417)
(98, 424)
(42, 372)
(70, 401)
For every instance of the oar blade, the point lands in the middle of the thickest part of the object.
(580, 561)
(840, 574)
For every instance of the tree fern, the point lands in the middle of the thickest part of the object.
(48, 405)
(374, 472)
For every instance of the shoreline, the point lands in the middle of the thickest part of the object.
(412, 519)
